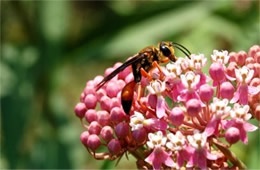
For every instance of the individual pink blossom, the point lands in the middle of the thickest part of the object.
(138, 121)
(244, 76)
(221, 57)
(190, 81)
(177, 143)
(157, 87)
(200, 152)
(173, 80)
(219, 109)
(240, 116)
(197, 62)
(158, 155)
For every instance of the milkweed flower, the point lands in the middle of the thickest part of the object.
(180, 118)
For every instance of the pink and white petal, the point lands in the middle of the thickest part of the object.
(253, 90)
(243, 135)
(211, 156)
(249, 76)
(230, 78)
(169, 162)
(235, 98)
(157, 165)
(160, 107)
(160, 124)
(202, 161)
(180, 159)
(249, 127)
(227, 123)
(211, 127)
(150, 158)
(243, 95)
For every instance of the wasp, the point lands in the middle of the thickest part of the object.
(142, 63)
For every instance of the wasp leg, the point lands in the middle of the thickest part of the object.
(127, 95)
(140, 93)
(145, 74)
(155, 64)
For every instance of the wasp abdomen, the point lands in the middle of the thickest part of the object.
(127, 96)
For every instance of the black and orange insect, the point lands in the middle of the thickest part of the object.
(142, 63)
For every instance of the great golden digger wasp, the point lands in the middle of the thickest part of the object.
(142, 63)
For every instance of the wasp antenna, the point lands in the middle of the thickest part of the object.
(184, 52)
(177, 44)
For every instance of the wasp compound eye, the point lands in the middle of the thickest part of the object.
(165, 50)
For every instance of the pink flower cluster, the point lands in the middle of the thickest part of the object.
(185, 119)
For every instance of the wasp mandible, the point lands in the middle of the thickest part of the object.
(142, 63)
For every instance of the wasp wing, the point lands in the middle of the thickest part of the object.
(134, 59)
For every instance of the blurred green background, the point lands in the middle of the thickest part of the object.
(49, 49)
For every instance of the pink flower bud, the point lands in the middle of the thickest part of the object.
(115, 102)
(193, 107)
(129, 78)
(152, 100)
(122, 75)
(107, 133)
(93, 142)
(108, 71)
(114, 146)
(90, 101)
(232, 135)
(206, 92)
(84, 137)
(249, 60)
(122, 130)
(117, 115)
(100, 93)
(241, 57)
(89, 90)
(232, 57)
(120, 84)
(97, 80)
(91, 115)
(216, 72)
(103, 117)
(176, 116)
(112, 89)
(227, 90)
(80, 110)
(140, 135)
(105, 103)
(253, 50)
(94, 128)
(231, 69)
(257, 57)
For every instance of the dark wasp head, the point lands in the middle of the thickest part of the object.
(167, 51)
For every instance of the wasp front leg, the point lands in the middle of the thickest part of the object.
(155, 64)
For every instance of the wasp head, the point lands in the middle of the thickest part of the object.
(167, 51)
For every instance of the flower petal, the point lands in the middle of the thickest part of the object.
(253, 90)
(211, 127)
(243, 135)
(160, 107)
(249, 127)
